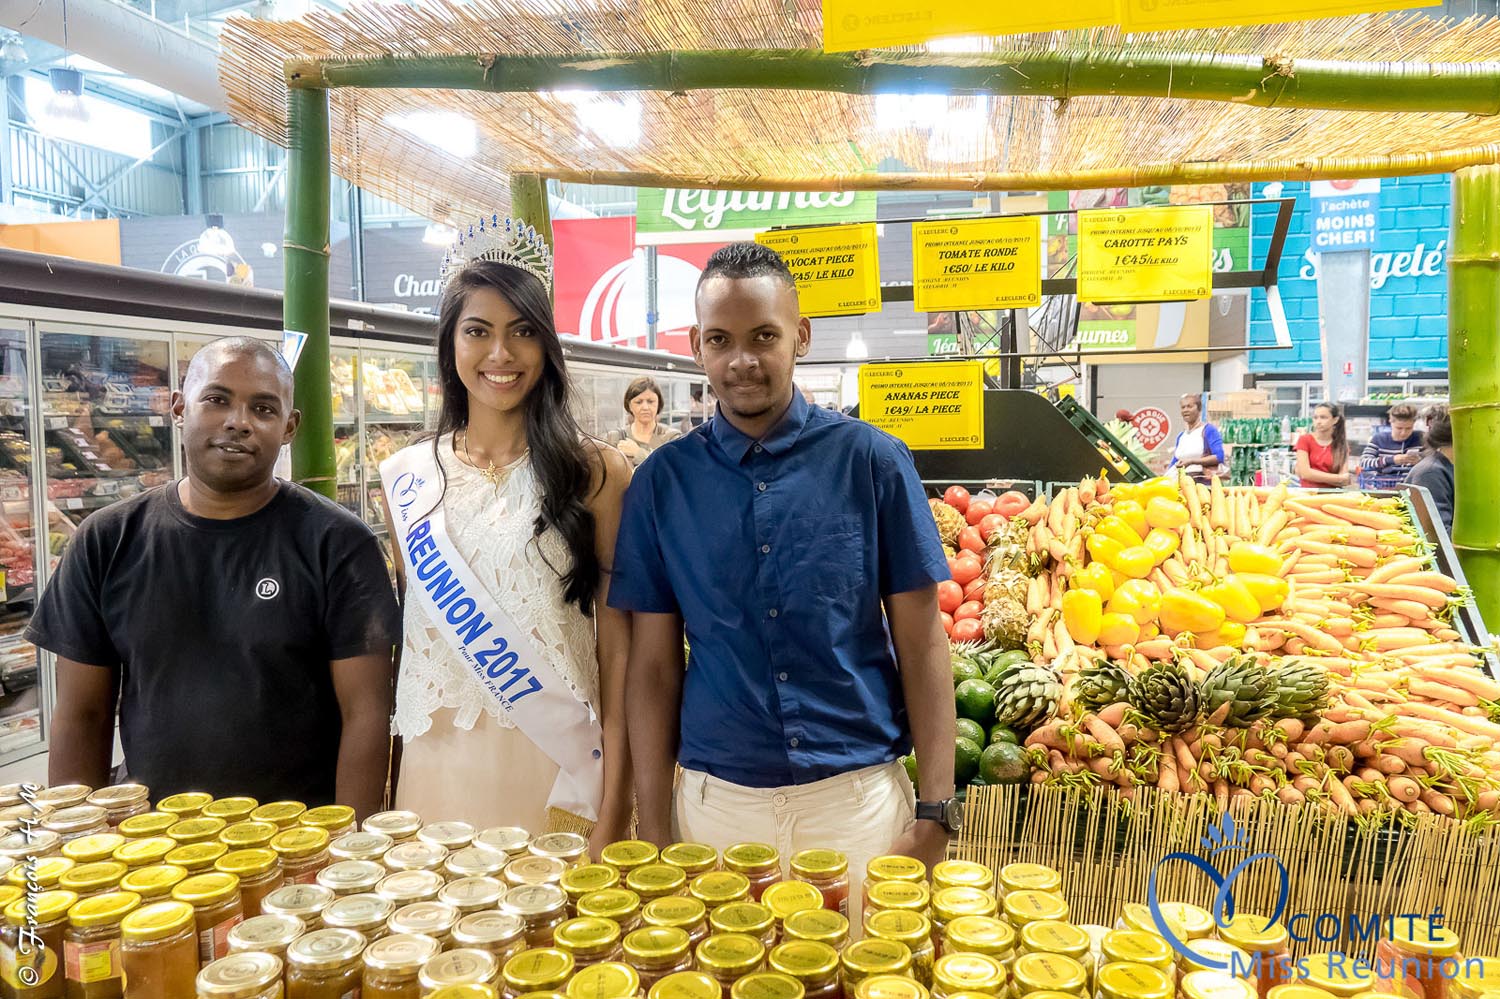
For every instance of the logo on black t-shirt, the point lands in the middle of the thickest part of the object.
(267, 588)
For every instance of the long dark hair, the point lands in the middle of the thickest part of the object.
(1339, 447)
(558, 455)
(1439, 429)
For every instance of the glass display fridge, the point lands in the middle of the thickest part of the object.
(21, 692)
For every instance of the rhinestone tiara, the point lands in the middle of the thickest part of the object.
(504, 240)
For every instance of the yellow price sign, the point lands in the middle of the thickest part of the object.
(1145, 254)
(849, 25)
(933, 406)
(837, 267)
(978, 264)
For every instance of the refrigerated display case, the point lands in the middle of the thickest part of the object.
(21, 693)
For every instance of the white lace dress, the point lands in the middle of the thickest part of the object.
(462, 756)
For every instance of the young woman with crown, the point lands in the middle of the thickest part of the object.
(510, 693)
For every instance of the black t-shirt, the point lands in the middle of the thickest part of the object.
(221, 633)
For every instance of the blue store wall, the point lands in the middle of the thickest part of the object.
(1408, 280)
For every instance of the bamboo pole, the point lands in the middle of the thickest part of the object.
(306, 300)
(1279, 82)
(528, 202)
(1474, 381)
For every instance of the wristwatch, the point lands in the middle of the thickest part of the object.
(949, 814)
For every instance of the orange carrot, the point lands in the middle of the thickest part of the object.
(1435, 691)
(1464, 723)
(1420, 594)
(1434, 580)
(1387, 571)
(1366, 518)
(1347, 553)
(1465, 679)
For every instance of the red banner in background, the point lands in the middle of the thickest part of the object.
(600, 284)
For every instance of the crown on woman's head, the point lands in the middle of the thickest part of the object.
(504, 240)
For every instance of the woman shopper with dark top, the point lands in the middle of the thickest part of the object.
(1435, 471)
(1323, 455)
(641, 433)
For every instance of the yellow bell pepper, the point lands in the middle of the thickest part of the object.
(1138, 598)
(1270, 592)
(1133, 514)
(1247, 557)
(1135, 562)
(1122, 491)
(1230, 633)
(1115, 527)
(1149, 630)
(1235, 597)
(1083, 612)
(1095, 576)
(1103, 548)
(1167, 513)
(1164, 486)
(1163, 543)
(1184, 610)
(1118, 629)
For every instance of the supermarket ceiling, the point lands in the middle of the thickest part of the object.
(447, 153)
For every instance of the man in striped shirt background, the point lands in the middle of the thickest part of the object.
(1393, 450)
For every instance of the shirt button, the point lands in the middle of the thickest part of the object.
(765, 549)
(761, 486)
(758, 449)
(781, 677)
(774, 612)
(793, 742)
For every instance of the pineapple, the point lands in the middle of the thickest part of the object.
(1005, 621)
(1027, 696)
(1166, 697)
(1301, 688)
(949, 522)
(1006, 584)
(1241, 683)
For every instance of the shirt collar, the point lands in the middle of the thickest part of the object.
(777, 441)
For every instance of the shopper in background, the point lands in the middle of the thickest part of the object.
(510, 715)
(1394, 449)
(1323, 455)
(642, 434)
(246, 623)
(797, 548)
(698, 410)
(1200, 447)
(1434, 471)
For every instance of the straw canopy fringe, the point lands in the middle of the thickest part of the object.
(1072, 109)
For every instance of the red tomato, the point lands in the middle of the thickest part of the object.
(978, 510)
(970, 611)
(947, 620)
(975, 590)
(965, 569)
(989, 525)
(958, 498)
(950, 595)
(1011, 503)
(970, 540)
(967, 630)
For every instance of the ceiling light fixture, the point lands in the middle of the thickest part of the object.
(66, 102)
(14, 50)
(856, 349)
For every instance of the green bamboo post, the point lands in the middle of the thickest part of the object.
(528, 202)
(305, 304)
(1474, 381)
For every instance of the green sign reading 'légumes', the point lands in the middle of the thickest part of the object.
(677, 211)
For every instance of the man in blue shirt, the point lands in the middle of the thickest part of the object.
(797, 548)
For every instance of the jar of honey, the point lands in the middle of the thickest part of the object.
(414, 855)
(577, 882)
(686, 985)
(40, 962)
(155, 883)
(506, 841)
(266, 935)
(1214, 985)
(750, 918)
(40, 843)
(259, 872)
(1268, 945)
(1030, 877)
(1051, 936)
(534, 871)
(570, 848)
(759, 863)
(474, 862)
(249, 835)
(626, 855)
(470, 895)
(460, 967)
(769, 985)
(653, 881)
(46, 873)
(542, 908)
(1137, 947)
(427, 919)
(399, 826)
(306, 902)
(500, 933)
(536, 970)
(692, 859)
(145, 852)
(609, 980)
(718, 888)
(957, 973)
(589, 940)
(303, 851)
(949, 904)
(980, 935)
(658, 951)
(818, 925)
(814, 966)
(1134, 981)
(188, 805)
(217, 909)
(281, 814)
(406, 887)
(93, 849)
(901, 987)
(121, 801)
(77, 822)
(912, 929)
(367, 915)
(325, 964)
(351, 877)
(479, 992)
(159, 950)
(88, 880)
(335, 820)
(451, 836)
(391, 966)
(231, 810)
(250, 975)
(904, 895)
(787, 897)
(196, 858)
(1217, 955)
(199, 830)
(727, 957)
(962, 874)
(92, 965)
(827, 871)
(1410, 958)
(365, 846)
(619, 904)
(870, 957)
(1045, 973)
(686, 914)
(893, 868)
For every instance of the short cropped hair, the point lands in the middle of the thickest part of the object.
(1402, 411)
(746, 260)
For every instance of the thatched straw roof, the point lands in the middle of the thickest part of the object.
(1059, 122)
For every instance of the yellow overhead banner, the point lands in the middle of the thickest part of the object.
(977, 264)
(932, 406)
(837, 267)
(1145, 254)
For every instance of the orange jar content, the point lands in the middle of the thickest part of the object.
(543, 969)
(827, 871)
(542, 908)
(325, 964)
(399, 826)
(303, 852)
(471, 895)
(500, 933)
(653, 881)
(759, 863)
(259, 872)
(589, 940)
(121, 801)
(1409, 959)
(718, 888)
(728, 957)
(658, 951)
(197, 858)
(251, 975)
(365, 914)
(266, 934)
(217, 909)
(391, 966)
(231, 810)
(281, 814)
(188, 805)
(159, 951)
(199, 830)
(155, 883)
(145, 852)
(335, 820)
(93, 849)
(692, 858)
(306, 902)
(45, 942)
(686, 914)
(815, 966)
(91, 946)
(750, 918)
(426, 919)
(1268, 947)
(88, 880)
(366, 846)
(459, 967)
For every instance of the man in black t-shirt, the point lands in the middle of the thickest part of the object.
(244, 626)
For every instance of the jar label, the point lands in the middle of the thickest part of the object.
(92, 962)
(27, 968)
(213, 943)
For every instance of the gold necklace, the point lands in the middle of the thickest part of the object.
(489, 473)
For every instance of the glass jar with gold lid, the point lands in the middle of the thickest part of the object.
(231, 810)
(481, 992)
(912, 929)
(530, 870)
(451, 836)
(400, 826)
(405, 887)
(414, 855)
(217, 909)
(153, 883)
(871, 956)
(500, 933)
(827, 871)
(570, 848)
(1334, 974)
(17, 846)
(653, 881)
(459, 967)
(1051, 936)
(981, 935)
(955, 973)
(718, 888)
(684, 913)
(46, 873)
(45, 917)
(77, 821)
(606, 980)
(620, 904)
(392, 964)
(303, 851)
(903, 895)
(1049, 973)
(815, 966)
(1022, 907)
(249, 975)
(92, 942)
(259, 872)
(541, 969)
(818, 925)
(145, 852)
(728, 957)
(692, 859)
(658, 951)
(580, 881)
(365, 914)
(470, 895)
(335, 820)
(542, 908)
(626, 855)
(281, 814)
(1208, 985)
(508, 841)
(1187, 922)
(93, 849)
(686, 985)
(1267, 944)
(88, 880)
(1217, 955)
(159, 950)
(1030, 877)
(474, 862)
(750, 918)
(266, 934)
(1306, 992)
(366, 846)
(1477, 977)
(195, 858)
(351, 877)
(1137, 947)
(1129, 980)
(306, 902)
(962, 874)
(249, 835)
(896, 987)
(769, 985)
(324, 964)
(8, 894)
(758, 862)
(428, 919)
(121, 801)
(589, 939)
(196, 830)
(188, 805)
(786, 897)
(893, 868)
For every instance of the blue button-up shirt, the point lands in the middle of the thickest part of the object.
(776, 553)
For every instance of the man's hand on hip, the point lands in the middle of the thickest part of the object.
(926, 841)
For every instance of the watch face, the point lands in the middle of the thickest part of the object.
(953, 814)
